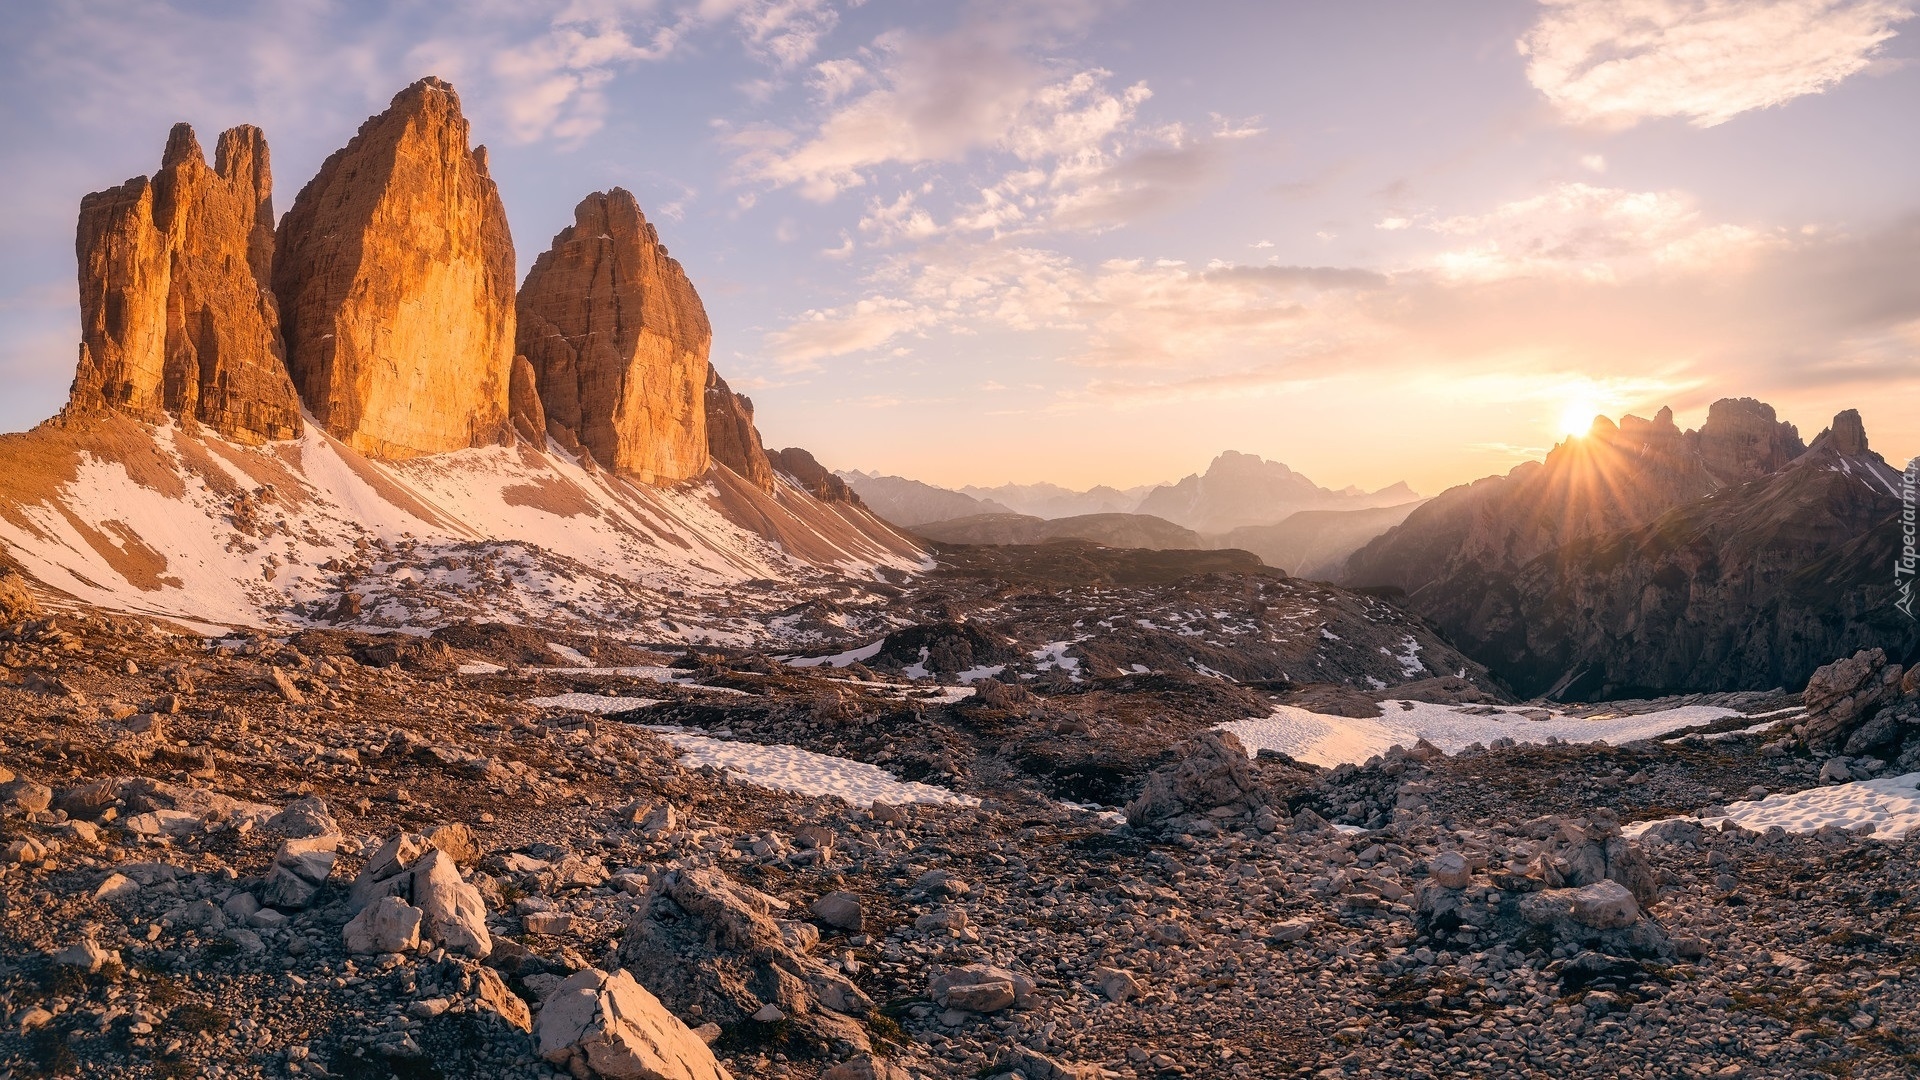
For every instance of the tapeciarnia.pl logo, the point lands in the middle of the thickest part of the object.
(1904, 564)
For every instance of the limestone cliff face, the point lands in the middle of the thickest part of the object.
(395, 275)
(619, 340)
(175, 311)
(732, 440)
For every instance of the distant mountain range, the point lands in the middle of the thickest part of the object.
(1241, 501)
(1643, 559)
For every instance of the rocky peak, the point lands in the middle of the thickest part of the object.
(1743, 440)
(396, 279)
(175, 312)
(731, 437)
(1847, 436)
(802, 468)
(618, 339)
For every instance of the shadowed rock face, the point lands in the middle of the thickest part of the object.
(396, 278)
(731, 437)
(812, 476)
(175, 313)
(618, 340)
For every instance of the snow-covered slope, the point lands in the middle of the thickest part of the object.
(158, 520)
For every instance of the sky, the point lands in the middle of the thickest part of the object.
(1091, 241)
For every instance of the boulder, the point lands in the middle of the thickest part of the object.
(865, 1067)
(705, 940)
(21, 796)
(300, 868)
(87, 956)
(456, 915)
(304, 817)
(613, 1027)
(980, 988)
(840, 909)
(1842, 697)
(1033, 1065)
(1450, 870)
(388, 925)
(1605, 905)
(618, 340)
(1212, 772)
(395, 274)
(1587, 851)
(16, 605)
(409, 867)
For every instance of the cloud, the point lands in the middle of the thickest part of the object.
(1614, 63)
(937, 99)
(1060, 145)
(1596, 233)
(1511, 303)
(857, 327)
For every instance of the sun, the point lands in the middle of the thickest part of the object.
(1577, 418)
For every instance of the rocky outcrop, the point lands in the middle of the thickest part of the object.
(1863, 704)
(732, 440)
(618, 339)
(1743, 440)
(176, 314)
(395, 274)
(1211, 777)
(710, 946)
(814, 478)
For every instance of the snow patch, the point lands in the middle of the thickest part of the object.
(1891, 804)
(1334, 740)
(803, 772)
(851, 656)
(593, 703)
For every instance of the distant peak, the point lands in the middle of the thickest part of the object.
(1848, 435)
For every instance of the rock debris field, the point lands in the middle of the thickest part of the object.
(321, 855)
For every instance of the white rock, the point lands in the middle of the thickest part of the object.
(300, 868)
(388, 925)
(456, 914)
(86, 956)
(620, 1031)
(116, 886)
(1451, 869)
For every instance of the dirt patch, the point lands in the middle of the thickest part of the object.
(40, 461)
(550, 495)
(142, 567)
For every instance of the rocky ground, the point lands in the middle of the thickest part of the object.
(339, 855)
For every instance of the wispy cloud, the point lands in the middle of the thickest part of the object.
(1617, 62)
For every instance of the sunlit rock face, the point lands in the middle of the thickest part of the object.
(175, 311)
(396, 283)
(618, 339)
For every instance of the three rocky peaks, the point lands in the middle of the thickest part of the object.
(384, 303)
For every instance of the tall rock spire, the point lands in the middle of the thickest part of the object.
(395, 274)
(618, 339)
(175, 312)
